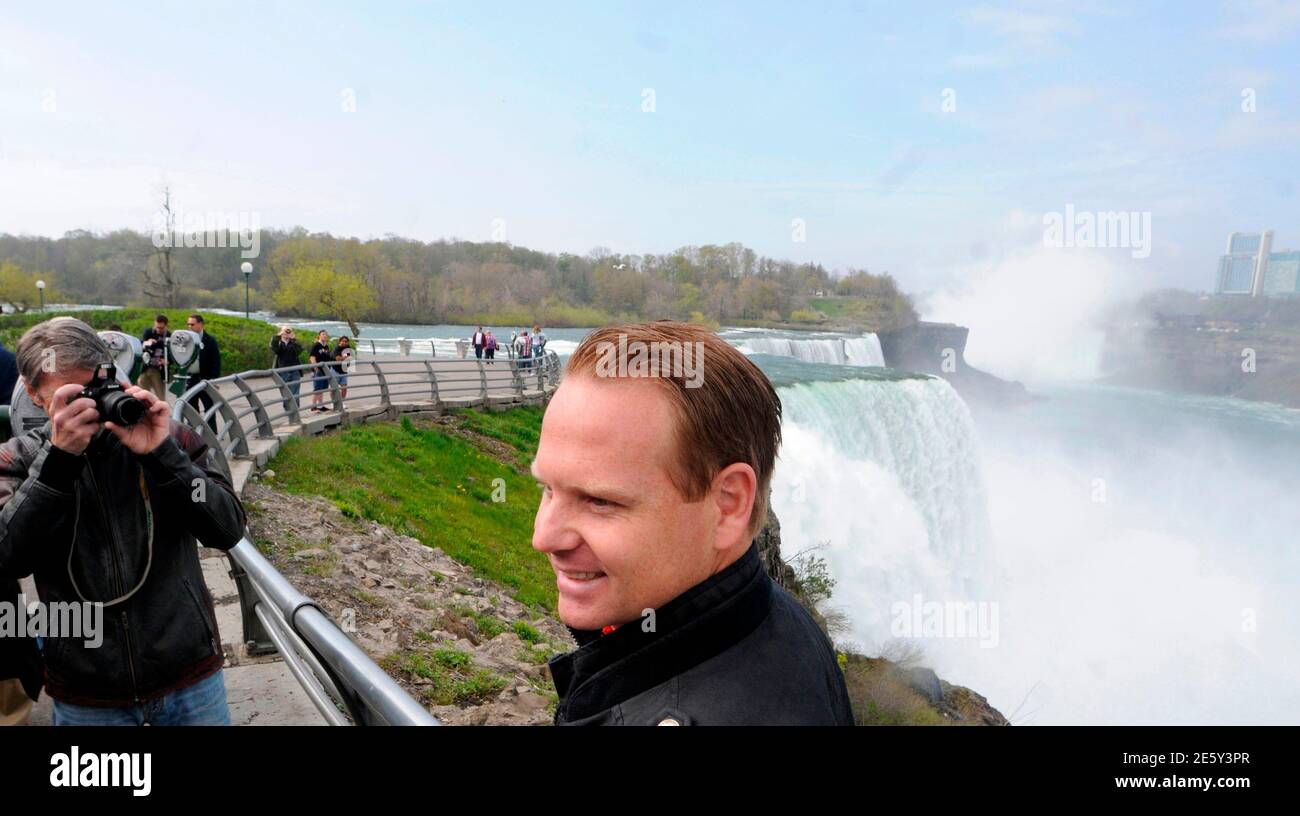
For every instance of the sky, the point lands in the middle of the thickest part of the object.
(928, 140)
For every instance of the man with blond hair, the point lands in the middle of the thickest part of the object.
(655, 460)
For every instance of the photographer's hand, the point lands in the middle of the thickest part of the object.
(152, 429)
(73, 422)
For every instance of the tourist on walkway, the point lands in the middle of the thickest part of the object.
(319, 355)
(288, 353)
(479, 339)
(539, 342)
(209, 367)
(525, 349)
(489, 347)
(342, 357)
(153, 376)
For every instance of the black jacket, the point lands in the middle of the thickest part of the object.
(8, 374)
(18, 655)
(165, 636)
(209, 361)
(735, 649)
(286, 354)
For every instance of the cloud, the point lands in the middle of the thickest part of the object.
(1261, 21)
(1021, 27)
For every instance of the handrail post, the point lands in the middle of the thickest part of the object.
(188, 415)
(234, 428)
(433, 380)
(256, 640)
(482, 378)
(289, 398)
(384, 399)
(336, 394)
(259, 410)
(517, 377)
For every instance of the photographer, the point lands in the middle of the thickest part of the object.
(288, 352)
(209, 366)
(104, 513)
(153, 377)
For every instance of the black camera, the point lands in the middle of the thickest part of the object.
(111, 400)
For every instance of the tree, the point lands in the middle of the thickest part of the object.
(318, 288)
(161, 282)
(18, 288)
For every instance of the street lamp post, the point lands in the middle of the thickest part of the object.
(40, 287)
(247, 269)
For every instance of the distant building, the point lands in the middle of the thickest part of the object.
(1251, 267)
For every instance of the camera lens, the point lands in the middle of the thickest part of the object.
(122, 409)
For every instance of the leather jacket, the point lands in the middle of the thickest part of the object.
(735, 649)
(81, 525)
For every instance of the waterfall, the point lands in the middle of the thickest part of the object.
(853, 351)
(883, 480)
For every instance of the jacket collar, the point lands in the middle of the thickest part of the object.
(703, 621)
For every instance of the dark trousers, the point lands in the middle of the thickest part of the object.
(478, 352)
(202, 402)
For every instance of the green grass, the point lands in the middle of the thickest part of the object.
(438, 488)
(454, 680)
(488, 626)
(527, 633)
(837, 306)
(520, 428)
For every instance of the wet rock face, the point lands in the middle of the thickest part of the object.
(939, 349)
(769, 552)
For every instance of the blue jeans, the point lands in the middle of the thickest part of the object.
(203, 703)
(293, 379)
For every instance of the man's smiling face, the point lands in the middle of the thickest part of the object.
(620, 536)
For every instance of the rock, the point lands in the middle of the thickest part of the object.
(268, 474)
(526, 705)
(926, 682)
(311, 552)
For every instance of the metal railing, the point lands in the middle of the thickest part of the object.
(344, 684)
(420, 346)
(232, 412)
